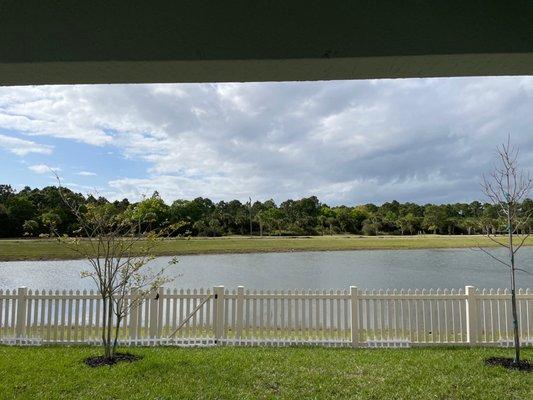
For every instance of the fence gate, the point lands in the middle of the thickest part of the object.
(191, 315)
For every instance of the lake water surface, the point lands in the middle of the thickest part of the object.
(450, 268)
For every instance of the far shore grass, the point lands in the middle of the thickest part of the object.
(50, 249)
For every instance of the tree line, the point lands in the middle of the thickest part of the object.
(36, 212)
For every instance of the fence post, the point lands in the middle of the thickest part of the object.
(20, 323)
(354, 309)
(154, 299)
(471, 315)
(134, 315)
(240, 311)
(218, 312)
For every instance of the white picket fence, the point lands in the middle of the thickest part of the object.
(375, 318)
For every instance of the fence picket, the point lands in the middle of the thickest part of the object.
(247, 313)
(528, 324)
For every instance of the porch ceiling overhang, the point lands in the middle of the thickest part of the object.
(73, 42)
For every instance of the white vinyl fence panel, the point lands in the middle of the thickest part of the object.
(218, 316)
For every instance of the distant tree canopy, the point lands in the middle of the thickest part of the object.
(34, 212)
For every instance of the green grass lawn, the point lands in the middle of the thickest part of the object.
(262, 373)
(42, 249)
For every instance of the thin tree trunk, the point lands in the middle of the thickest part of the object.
(104, 327)
(104, 322)
(513, 290)
(117, 331)
(109, 326)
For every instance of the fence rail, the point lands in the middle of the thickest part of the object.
(218, 316)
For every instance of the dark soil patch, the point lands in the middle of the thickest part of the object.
(99, 361)
(506, 362)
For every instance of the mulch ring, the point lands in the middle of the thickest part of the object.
(99, 361)
(506, 362)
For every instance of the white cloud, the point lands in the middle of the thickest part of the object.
(172, 187)
(348, 141)
(43, 169)
(51, 111)
(22, 147)
(86, 173)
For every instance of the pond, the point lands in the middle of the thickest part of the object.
(450, 268)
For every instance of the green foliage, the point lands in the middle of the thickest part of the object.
(202, 217)
(30, 227)
(51, 220)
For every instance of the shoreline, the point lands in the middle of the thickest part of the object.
(49, 250)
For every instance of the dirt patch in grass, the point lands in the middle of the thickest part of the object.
(507, 362)
(99, 361)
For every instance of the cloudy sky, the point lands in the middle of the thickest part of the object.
(348, 142)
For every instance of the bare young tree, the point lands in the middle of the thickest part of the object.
(118, 250)
(507, 187)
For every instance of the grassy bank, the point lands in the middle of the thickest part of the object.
(262, 373)
(43, 249)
